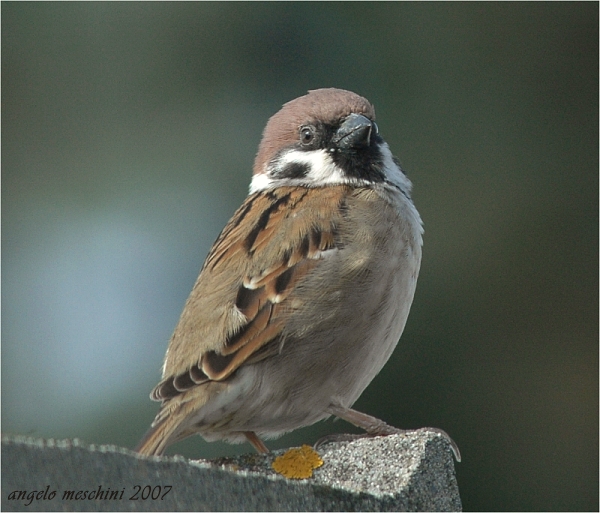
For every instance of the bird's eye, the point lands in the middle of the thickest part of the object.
(307, 134)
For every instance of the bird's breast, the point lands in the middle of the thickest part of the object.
(350, 311)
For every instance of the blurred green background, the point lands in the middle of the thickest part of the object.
(128, 135)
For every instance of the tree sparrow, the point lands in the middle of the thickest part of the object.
(305, 292)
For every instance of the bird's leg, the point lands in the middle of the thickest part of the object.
(375, 427)
(256, 442)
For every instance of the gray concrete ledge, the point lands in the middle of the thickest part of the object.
(412, 472)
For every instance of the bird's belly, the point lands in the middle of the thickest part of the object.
(331, 361)
(346, 320)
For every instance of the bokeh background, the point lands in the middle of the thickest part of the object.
(128, 135)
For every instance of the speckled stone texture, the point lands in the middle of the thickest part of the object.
(413, 472)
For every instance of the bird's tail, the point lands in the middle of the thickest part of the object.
(165, 430)
(155, 441)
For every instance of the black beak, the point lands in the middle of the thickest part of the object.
(354, 132)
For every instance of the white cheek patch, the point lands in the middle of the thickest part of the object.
(260, 182)
(321, 171)
(320, 165)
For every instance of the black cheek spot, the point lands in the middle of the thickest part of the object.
(294, 170)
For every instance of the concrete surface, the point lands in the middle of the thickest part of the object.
(412, 472)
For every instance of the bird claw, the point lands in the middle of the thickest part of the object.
(376, 427)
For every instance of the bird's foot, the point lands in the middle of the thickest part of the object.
(376, 427)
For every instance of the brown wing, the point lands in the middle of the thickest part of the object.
(238, 306)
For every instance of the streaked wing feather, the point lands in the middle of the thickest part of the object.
(264, 251)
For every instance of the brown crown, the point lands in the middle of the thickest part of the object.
(321, 105)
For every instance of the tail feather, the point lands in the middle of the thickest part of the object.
(173, 422)
(155, 441)
(165, 430)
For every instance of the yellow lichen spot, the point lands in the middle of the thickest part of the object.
(297, 463)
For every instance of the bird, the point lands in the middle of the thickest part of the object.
(306, 291)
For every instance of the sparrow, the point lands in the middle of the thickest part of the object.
(306, 291)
